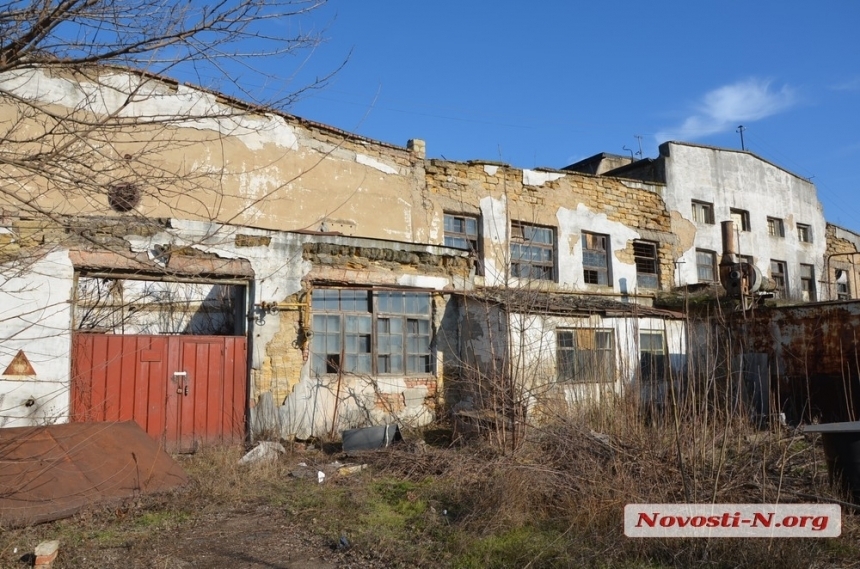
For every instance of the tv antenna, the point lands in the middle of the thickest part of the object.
(628, 150)
(639, 140)
(741, 129)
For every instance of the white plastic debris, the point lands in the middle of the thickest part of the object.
(320, 476)
(266, 451)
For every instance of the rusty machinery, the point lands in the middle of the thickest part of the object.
(743, 281)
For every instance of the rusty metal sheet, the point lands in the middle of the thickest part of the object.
(48, 473)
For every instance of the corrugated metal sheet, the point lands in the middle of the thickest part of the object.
(52, 472)
(183, 390)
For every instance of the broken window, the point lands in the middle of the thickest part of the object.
(645, 257)
(703, 212)
(706, 265)
(532, 251)
(585, 355)
(461, 232)
(652, 356)
(346, 340)
(807, 282)
(775, 227)
(595, 258)
(843, 288)
(778, 275)
(741, 217)
(804, 233)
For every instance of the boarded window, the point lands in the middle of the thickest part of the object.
(585, 355)
(741, 218)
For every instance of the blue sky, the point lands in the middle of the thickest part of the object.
(547, 83)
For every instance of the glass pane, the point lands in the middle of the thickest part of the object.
(318, 343)
(471, 226)
(413, 345)
(332, 323)
(396, 363)
(382, 301)
(362, 364)
(319, 321)
(449, 223)
(383, 344)
(396, 344)
(332, 344)
(396, 325)
(351, 345)
(396, 303)
(365, 324)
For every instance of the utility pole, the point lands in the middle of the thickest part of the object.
(741, 129)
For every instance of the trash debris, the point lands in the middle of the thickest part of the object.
(45, 554)
(370, 438)
(343, 542)
(320, 476)
(348, 470)
(267, 451)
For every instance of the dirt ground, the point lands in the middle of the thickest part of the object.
(261, 537)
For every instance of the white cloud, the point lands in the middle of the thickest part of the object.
(852, 84)
(728, 106)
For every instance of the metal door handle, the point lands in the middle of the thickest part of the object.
(181, 379)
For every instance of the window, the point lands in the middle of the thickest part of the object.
(741, 217)
(652, 356)
(585, 355)
(777, 273)
(843, 288)
(804, 233)
(461, 232)
(775, 227)
(703, 212)
(595, 258)
(532, 251)
(807, 282)
(359, 331)
(706, 265)
(645, 257)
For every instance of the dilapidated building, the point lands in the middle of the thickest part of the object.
(210, 269)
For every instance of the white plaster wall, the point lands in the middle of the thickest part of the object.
(732, 179)
(35, 316)
(571, 224)
(533, 341)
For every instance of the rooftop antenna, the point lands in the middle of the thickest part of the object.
(628, 150)
(741, 129)
(638, 138)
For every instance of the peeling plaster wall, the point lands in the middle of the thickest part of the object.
(735, 179)
(534, 338)
(198, 153)
(35, 317)
(567, 202)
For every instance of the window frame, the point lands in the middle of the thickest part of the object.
(779, 277)
(663, 351)
(744, 218)
(413, 341)
(473, 241)
(807, 283)
(573, 364)
(546, 269)
(712, 265)
(843, 289)
(804, 233)
(776, 227)
(706, 209)
(641, 263)
(589, 252)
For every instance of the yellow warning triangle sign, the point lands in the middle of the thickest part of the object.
(20, 365)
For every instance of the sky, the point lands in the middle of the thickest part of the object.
(550, 82)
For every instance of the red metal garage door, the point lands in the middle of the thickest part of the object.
(185, 391)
